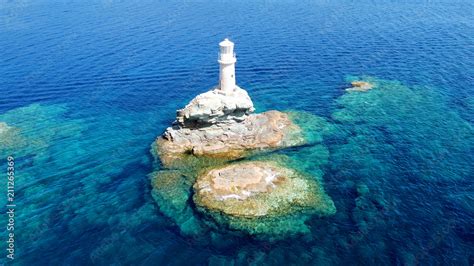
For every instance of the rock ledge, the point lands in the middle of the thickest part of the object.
(223, 125)
(255, 189)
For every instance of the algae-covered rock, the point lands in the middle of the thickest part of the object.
(260, 196)
(3, 127)
(171, 192)
(11, 139)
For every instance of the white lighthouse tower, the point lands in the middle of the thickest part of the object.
(226, 66)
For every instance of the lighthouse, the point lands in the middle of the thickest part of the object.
(226, 61)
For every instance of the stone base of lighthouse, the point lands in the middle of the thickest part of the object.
(215, 106)
(218, 124)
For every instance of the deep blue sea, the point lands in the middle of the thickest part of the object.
(86, 86)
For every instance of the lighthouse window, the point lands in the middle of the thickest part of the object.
(225, 50)
(232, 75)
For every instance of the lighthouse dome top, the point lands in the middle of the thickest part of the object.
(226, 43)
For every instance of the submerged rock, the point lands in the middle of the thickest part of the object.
(360, 86)
(396, 119)
(222, 125)
(171, 191)
(258, 188)
(10, 139)
(3, 127)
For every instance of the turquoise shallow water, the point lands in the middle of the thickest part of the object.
(86, 88)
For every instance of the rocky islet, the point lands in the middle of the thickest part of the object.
(256, 196)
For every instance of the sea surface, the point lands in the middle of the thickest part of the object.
(87, 86)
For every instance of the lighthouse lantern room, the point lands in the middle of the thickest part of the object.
(226, 61)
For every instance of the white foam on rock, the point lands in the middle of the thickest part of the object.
(270, 177)
(231, 196)
(246, 193)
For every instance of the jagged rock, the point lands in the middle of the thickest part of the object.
(267, 130)
(215, 106)
(222, 125)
